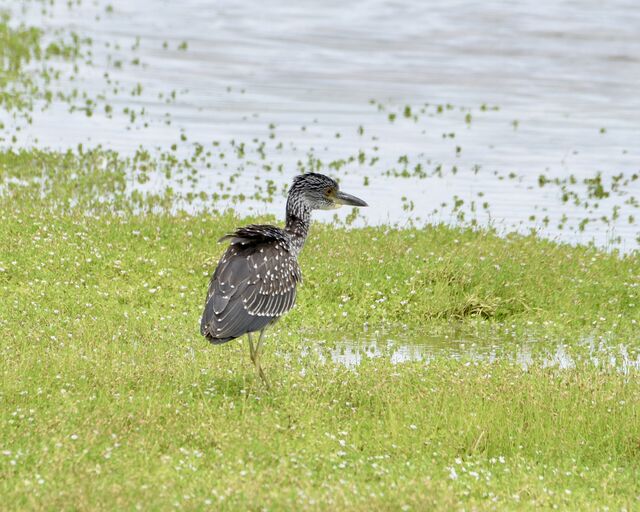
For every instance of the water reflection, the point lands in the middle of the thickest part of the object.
(351, 352)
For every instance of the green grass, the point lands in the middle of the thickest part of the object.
(101, 425)
(70, 215)
(110, 399)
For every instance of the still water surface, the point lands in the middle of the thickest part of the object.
(523, 351)
(564, 74)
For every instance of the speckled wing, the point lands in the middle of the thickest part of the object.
(254, 283)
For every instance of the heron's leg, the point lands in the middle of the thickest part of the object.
(256, 361)
(252, 351)
(260, 338)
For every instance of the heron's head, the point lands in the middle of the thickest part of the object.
(319, 192)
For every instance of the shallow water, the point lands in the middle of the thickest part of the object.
(564, 75)
(523, 351)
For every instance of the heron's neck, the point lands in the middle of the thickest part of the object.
(298, 221)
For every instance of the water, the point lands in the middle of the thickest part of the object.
(564, 74)
(524, 351)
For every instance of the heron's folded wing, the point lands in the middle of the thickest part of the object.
(254, 283)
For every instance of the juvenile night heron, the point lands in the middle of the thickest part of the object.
(255, 281)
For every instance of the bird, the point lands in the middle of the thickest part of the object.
(255, 281)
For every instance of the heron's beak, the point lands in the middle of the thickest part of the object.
(348, 199)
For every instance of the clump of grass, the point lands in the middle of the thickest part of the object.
(415, 276)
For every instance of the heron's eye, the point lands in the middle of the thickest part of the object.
(328, 191)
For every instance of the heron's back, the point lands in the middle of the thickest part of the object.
(253, 284)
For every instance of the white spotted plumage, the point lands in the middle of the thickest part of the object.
(255, 281)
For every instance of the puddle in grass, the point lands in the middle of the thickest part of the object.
(523, 351)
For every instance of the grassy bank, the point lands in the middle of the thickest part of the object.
(111, 399)
(68, 251)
